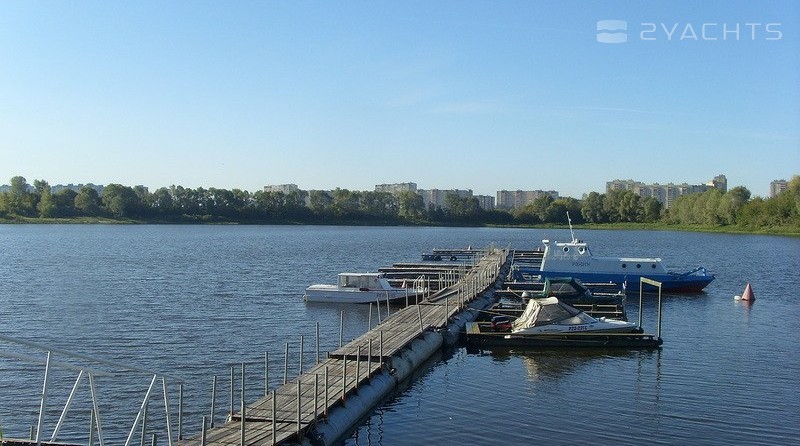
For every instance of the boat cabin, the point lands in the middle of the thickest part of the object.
(575, 256)
(363, 281)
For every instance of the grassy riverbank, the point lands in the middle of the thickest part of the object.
(729, 229)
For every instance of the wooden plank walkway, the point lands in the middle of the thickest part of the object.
(290, 410)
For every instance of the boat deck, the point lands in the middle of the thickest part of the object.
(476, 337)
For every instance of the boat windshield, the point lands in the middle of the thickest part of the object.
(358, 281)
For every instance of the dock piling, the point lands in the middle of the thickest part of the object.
(301, 354)
(180, 411)
(317, 327)
(266, 373)
(326, 392)
(274, 418)
(230, 412)
(242, 414)
(358, 366)
(299, 405)
(202, 433)
(286, 364)
(213, 399)
(341, 328)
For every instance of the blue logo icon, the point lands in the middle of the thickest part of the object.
(612, 31)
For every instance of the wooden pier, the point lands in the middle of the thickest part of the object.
(290, 411)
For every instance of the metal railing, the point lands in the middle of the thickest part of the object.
(95, 423)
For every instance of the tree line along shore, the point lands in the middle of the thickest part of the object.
(733, 211)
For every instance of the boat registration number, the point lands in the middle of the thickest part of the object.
(578, 328)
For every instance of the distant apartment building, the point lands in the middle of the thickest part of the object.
(436, 197)
(77, 187)
(486, 202)
(667, 193)
(396, 188)
(519, 198)
(776, 187)
(285, 188)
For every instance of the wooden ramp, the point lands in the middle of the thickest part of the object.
(292, 409)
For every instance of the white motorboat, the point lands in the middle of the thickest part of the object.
(361, 288)
(551, 316)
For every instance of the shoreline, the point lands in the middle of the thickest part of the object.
(779, 231)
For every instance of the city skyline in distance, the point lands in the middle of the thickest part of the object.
(449, 95)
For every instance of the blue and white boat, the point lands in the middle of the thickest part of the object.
(574, 259)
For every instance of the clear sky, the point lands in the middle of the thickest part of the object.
(482, 95)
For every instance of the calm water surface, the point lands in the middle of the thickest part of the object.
(189, 301)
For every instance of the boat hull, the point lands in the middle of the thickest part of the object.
(478, 336)
(358, 296)
(670, 283)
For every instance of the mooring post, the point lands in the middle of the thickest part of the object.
(369, 318)
(301, 354)
(202, 433)
(230, 412)
(369, 355)
(213, 399)
(316, 397)
(40, 424)
(419, 312)
(266, 373)
(274, 419)
(326, 393)
(298, 407)
(153, 442)
(358, 366)
(242, 414)
(341, 328)
(91, 427)
(378, 303)
(144, 424)
(180, 411)
(317, 326)
(344, 378)
(388, 307)
(286, 364)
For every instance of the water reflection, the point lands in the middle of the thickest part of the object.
(556, 363)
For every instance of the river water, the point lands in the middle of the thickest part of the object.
(190, 301)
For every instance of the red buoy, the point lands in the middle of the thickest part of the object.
(748, 293)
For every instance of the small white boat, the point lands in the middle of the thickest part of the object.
(551, 316)
(360, 288)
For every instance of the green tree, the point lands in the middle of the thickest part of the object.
(19, 200)
(87, 202)
(64, 201)
(345, 203)
(651, 210)
(592, 208)
(121, 201)
(539, 207)
(46, 205)
(411, 206)
(320, 202)
(464, 209)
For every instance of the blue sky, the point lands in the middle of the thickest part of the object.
(480, 95)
